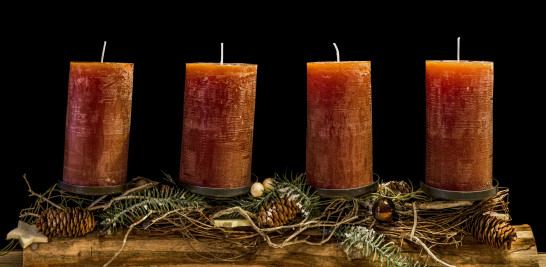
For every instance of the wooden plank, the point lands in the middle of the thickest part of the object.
(542, 259)
(13, 258)
(145, 250)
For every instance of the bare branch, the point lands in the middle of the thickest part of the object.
(126, 235)
(414, 221)
(439, 205)
(97, 201)
(418, 241)
(123, 196)
(32, 193)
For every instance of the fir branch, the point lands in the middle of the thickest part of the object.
(137, 204)
(290, 187)
(296, 189)
(169, 179)
(253, 204)
(126, 195)
(362, 241)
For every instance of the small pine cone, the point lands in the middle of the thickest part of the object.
(398, 186)
(277, 213)
(68, 222)
(492, 231)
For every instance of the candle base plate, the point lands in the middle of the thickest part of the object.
(92, 190)
(216, 192)
(351, 192)
(460, 195)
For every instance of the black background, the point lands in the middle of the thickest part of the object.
(36, 59)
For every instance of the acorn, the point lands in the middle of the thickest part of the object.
(257, 189)
(383, 209)
(269, 183)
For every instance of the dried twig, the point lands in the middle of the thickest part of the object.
(415, 239)
(414, 221)
(302, 227)
(161, 217)
(424, 246)
(97, 201)
(440, 205)
(32, 193)
(123, 196)
(28, 214)
(126, 235)
(438, 222)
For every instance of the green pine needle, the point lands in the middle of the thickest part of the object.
(362, 241)
(125, 212)
(291, 187)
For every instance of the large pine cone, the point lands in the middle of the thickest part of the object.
(67, 222)
(492, 231)
(278, 213)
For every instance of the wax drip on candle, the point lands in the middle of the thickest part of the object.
(221, 53)
(103, 48)
(458, 48)
(337, 52)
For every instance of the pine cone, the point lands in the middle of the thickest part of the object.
(278, 213)
(492, 231)
(398, 186)
(65, 222)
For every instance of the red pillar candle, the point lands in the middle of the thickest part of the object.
(218, 125)
(459, 125)
(97, 123)
(339, 125)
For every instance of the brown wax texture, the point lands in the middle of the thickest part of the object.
(459, 125)
(339, 125)
(218, 125)
(97, 123)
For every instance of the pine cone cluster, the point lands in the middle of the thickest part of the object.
(278, 213)
(398, 186)
(68, 222)
(492, 231)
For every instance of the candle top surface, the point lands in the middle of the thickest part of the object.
(224, 64)
(96, 62)
(462, 64)
(341, 62)
(218, 69)
(459, 61)
(336, 66)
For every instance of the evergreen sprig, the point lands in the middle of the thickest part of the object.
(362, 241)
(297, 189)
(160, 199)
(291, 187)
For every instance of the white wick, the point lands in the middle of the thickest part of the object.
(221, 53)
(337, 52)
(458, 49)
(103, 48)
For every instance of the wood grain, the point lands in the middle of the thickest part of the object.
(144, 249)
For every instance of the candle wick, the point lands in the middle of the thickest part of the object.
(337, 52)
(458, 48)
(221, 53)
(103, 48)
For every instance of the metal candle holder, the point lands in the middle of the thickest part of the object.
(92, 190)
(216, 192)
(461, 195)
(351, 192)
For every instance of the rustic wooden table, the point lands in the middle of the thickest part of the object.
(145, 250)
